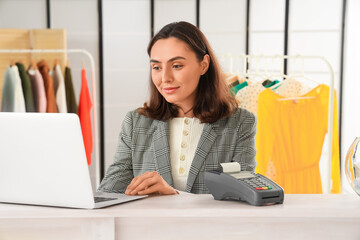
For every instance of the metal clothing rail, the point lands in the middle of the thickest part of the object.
(247, 73)
(94, 98)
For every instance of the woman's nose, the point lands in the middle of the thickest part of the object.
(166, 75)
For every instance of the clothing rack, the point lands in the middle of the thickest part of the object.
(94, 99)
(259, 71)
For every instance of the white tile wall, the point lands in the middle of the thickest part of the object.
(124, 51)
(267, 15)
(223, 17)
(126, 16)
(326, 44)
(78, 16)
(126, 87)
(266, 33)
(22, 14)
(224, 25)
(351, 84)
(227, 43)
(167, 11)
(126, 27)
(267, 43)
(317, 15)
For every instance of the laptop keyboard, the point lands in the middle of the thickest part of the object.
(102, 199)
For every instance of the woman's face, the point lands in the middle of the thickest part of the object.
(176, 72)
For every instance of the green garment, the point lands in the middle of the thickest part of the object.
(27, 89)
(70, 93)
(272, 84)
(235, 89)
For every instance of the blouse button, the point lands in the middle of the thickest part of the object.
(187, 121)
(183, 145)
(181, 170)
(182, 157)
(185, 133)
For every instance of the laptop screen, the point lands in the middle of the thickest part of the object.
(42, 160)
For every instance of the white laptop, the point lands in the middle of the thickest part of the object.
(43, 162)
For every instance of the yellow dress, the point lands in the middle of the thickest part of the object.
(291, 133)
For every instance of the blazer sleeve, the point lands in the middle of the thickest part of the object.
(245, 150)
(120, 173)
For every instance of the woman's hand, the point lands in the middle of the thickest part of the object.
(147, 183)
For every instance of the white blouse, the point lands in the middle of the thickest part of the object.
(184, 137)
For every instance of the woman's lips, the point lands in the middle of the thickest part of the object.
(170, 90)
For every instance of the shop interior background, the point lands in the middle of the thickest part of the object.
(116, 33)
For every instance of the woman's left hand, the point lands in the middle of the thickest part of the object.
(147, 183)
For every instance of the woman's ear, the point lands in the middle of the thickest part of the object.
(205, 64)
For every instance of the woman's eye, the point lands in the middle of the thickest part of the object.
(177, 66)
(155, 67)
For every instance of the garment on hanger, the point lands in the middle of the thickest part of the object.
(37, 83)
(248, 96)
(27, 88)
(292, 88)
(234, 90)
(291, 133)
(288, 88)
(84, 113)
(12, 92)
(267, 82)
(51, 106)
(272, 83)
(59, 88)
(70, 93)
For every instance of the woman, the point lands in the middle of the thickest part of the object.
(190, 125)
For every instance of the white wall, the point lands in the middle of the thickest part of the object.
(167, 11)
(351, 84)
(33, 14)
(266, 33)
(266, 30)
(224, 25)
(126, 26)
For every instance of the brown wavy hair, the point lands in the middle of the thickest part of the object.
(213, 99)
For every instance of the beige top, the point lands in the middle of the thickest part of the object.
(184, 137)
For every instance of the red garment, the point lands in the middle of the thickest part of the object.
(85, 116)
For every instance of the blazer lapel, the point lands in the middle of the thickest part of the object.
(160, 142)
(206, 141)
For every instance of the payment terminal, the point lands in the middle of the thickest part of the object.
(229, 182)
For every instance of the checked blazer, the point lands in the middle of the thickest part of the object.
(144, 146)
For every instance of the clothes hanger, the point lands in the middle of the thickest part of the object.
(280, 76)
(33, 64)
(12, 62)
(293, 76)
(302, 75)
(232, 81)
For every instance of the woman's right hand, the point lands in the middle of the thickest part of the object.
(147, 183)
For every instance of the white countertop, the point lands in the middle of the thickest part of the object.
(189, 216)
